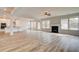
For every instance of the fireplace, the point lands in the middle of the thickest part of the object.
(54, 29)
(3, 25)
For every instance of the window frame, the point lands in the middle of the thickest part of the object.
(69, 23)
(45, 24)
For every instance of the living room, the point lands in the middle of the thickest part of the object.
(39, 29)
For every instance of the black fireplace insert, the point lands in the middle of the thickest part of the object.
(3, 25)
(54, 29)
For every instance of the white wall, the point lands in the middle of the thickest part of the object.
(56, 21)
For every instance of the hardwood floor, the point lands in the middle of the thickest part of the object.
(38, 41)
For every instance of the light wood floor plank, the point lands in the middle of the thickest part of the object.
(38, 41)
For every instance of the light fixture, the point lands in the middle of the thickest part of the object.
(45, 13)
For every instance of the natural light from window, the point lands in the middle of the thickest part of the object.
(70, 24)
(64, 24)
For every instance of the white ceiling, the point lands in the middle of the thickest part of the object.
(37, 12)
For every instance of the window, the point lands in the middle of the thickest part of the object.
(70, 24)
(28, 24)
(38, 25)
(34, 25)
(46, 24)
(43, 24)
(64, 24)
(73, 23)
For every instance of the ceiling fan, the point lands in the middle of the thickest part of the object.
(47, 13)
